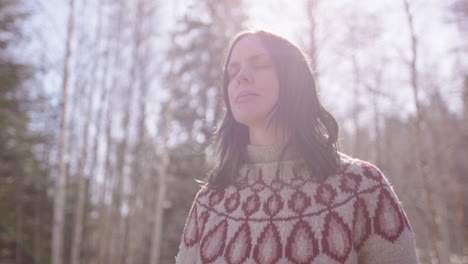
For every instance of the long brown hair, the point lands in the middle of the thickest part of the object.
(312, 131)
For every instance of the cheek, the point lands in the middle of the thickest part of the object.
(272, 85)
(230, 95)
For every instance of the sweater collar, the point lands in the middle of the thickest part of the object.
(269, 153)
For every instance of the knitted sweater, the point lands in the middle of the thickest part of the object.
(351, 217)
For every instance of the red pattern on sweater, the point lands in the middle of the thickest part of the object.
(295, 220)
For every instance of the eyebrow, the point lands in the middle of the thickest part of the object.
(251, 58)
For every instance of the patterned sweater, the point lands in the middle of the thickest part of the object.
(351, 217)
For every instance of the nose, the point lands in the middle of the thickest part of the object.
(244, 75)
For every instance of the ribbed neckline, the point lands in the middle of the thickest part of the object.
(269, 153)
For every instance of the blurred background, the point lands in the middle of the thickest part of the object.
(106, 106)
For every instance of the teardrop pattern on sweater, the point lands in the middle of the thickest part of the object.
(371, 173)
(191, 233)
(388, 221)
(203, 220)
(301, 246)
(336, 238)
(325, 194)
(361, 223)
(273, 205)
(232, 202)
(216, 197)
(350, 183)
(268, 249)
(213, 243)
(251, 204)
(238, 249)
(299, 202)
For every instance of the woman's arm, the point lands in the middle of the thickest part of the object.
(190, 242)
(391, 240)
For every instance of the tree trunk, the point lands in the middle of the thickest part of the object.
(313, 47)
(162, 172)
(102, 225)
(114, 241)
(19, 219)
(61, 182)
(80, 205)
(356, 108)
(127, 117)
(138, 171)
(422, 162)
(37, 220)
(374, 90)
(79, 208)
(104, 210)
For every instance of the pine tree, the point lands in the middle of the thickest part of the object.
(197, 54)
(23, 198)
(61, 181)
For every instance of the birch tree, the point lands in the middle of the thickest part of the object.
(60, 186)
(313, 47)
(143, 70)
(79, 209)
(422, 162)
(162, 187)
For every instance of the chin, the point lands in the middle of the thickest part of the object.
(248, 119)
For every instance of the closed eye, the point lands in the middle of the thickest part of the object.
(258, 62)
(232, 73)
(263, 66)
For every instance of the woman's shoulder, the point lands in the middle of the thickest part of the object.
(364, 175)
(352, 165)
(366, 180)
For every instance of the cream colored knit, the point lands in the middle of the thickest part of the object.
(351, 217)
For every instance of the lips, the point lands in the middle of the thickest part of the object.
(244, 95)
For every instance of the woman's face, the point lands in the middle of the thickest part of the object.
(253, 82)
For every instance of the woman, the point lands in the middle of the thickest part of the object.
(280, 192)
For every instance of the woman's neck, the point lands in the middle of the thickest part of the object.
(262, 136)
